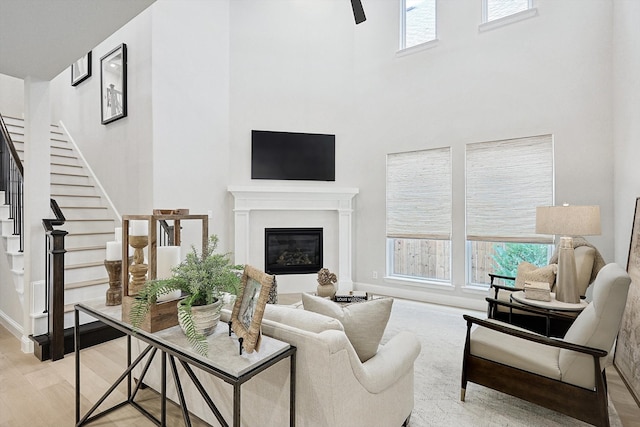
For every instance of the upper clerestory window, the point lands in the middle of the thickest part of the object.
(497, 13)
(496, 9)
(418, 22)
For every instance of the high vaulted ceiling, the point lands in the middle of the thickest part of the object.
(40, 38)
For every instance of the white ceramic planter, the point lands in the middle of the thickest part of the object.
(205, 317)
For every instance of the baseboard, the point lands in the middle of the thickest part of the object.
(11, 325)
(425, 296)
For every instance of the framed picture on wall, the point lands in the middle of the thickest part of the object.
(627, 354)
(81, 70)
(113, 84)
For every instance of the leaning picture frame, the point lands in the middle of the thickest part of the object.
(113, 84)
(81, 69)
(627, 352)
(249, 307)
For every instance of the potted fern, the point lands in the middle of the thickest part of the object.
(202, 279)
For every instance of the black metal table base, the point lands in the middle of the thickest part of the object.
(185, 361)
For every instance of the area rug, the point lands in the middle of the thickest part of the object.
(441, 331)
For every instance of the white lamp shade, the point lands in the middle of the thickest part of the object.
(568, 220)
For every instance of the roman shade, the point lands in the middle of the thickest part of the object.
(505, 182)
(419, 194)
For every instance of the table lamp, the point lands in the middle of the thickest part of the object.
(567, 221)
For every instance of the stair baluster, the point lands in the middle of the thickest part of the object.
(11, 181)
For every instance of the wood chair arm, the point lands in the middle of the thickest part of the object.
(500, 276)
(595, 352)
(497, 287)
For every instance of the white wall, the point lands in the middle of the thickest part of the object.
(626, 110)
(190, 90)
(11, 96)
(225, 68)
(291, 71)
(120, 153)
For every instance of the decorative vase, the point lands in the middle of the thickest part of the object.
(326, 290)
(205, 317)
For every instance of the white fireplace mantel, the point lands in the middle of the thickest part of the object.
(281, 198)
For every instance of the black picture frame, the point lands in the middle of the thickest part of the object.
(81, 70)
(113, 84)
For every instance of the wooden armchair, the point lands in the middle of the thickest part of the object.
(564, 375)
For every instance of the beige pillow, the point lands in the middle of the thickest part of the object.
(528, 271)
(363, 322)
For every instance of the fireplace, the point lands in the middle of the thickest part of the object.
(292, 250)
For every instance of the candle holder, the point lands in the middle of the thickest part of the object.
(114, 293)
(139, 269)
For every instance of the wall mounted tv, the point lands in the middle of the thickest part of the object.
(293, 156)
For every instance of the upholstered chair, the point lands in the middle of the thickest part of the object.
(564, 375)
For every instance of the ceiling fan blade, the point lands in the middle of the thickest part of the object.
(358, 11)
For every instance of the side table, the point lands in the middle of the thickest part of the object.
(552, 308)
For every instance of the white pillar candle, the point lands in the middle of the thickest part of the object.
(167, 257)
(139, 227)
(114, 251)
(118, 233)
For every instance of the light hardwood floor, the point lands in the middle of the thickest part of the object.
(41, 394)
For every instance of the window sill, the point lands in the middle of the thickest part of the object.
(418, 283)
(417, 48)
(476, 289)
(508, 20)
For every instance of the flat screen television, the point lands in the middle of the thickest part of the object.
(293, 156)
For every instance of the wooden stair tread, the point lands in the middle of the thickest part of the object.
(63, 156)
(73, 185)
(97, 233)
(90, 220)
(70, 307)
(84, 265)
(85, 248)
(75, 195)
(86, 283)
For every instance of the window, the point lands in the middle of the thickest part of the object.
(496, 9)
(505, 182)
(418, 22)
(419, 214)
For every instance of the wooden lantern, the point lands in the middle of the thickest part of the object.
(162, 315)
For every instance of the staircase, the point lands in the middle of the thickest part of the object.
(90, 223)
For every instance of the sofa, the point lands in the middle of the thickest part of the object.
(333, 387)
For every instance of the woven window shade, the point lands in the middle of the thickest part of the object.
(506, 181)
(419, 194)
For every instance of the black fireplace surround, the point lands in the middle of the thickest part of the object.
(292, 250)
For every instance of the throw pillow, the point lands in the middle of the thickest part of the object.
(363, 322)
(528, 271)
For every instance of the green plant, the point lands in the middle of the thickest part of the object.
(201, 277)
(507, 257)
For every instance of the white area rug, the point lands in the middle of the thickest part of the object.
(441, 331)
